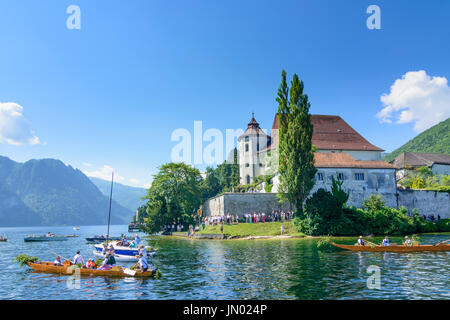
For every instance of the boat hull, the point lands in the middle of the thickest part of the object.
(49, 267)
(123, 258)
(42, 239)
(395, 248)
(121, 250)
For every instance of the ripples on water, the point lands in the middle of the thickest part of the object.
(204, 269)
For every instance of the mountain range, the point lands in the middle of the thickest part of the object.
(129, 197)
(433, 140)
(47, 192)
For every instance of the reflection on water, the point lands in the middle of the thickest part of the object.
(204, 269)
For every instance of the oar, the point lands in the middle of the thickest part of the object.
(442, 242)
(371, 243)
(59, 255)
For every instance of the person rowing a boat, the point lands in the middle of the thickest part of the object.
(142, 264)
(108, 263)
(407, 241)
(361, 241)
(58, 261)
(385, 242)
(78, 259)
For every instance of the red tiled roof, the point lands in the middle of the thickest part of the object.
(344, 160)
(333, 133)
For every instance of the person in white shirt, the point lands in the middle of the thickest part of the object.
(407, 241)
(142, 264)
(78, 259)
(58, 261)
(142, 250)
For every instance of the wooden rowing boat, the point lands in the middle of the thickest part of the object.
(395, 248)
(66, 269)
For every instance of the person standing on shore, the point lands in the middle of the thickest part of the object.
(282, 229)
(221, 227)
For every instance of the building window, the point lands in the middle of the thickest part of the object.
(246, 139)
(340, 176)
(247, 165)
(248, 179)
(246, 147)
(359, 176)
(257, 147)
(320, 176)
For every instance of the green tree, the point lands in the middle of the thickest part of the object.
(174, 196)
(210, 185)
(338, 192)
(223, 174)
(235, 178)
(373, 203)
(296, 156)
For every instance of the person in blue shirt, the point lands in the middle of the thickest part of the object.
(137, 240)
(385, 241)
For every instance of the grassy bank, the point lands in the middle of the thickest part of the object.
(254, 229)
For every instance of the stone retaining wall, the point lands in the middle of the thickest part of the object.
(428, 202)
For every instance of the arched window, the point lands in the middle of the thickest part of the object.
(246, 147)
(248, 179)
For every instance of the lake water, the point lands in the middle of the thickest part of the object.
(232, 269)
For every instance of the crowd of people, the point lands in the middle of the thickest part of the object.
(252, 217)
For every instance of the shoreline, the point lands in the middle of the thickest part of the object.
(213, 236)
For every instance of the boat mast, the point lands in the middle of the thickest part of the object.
(109, 213)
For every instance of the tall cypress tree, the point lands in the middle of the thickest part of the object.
(296, 156)
(235, 170)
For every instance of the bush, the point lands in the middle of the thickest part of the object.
(443, 225)
(326, 215)
(374, 202)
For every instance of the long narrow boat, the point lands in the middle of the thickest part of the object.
(44, 238)
(395, 248)
(49, 267)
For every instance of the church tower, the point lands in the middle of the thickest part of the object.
(251, 143)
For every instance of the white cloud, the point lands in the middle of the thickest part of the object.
(14, 129)
(87, 164)
(417, 98)
(105, 174)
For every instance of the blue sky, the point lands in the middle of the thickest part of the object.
(112, 93)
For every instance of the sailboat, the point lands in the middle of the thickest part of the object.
(121, 253)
